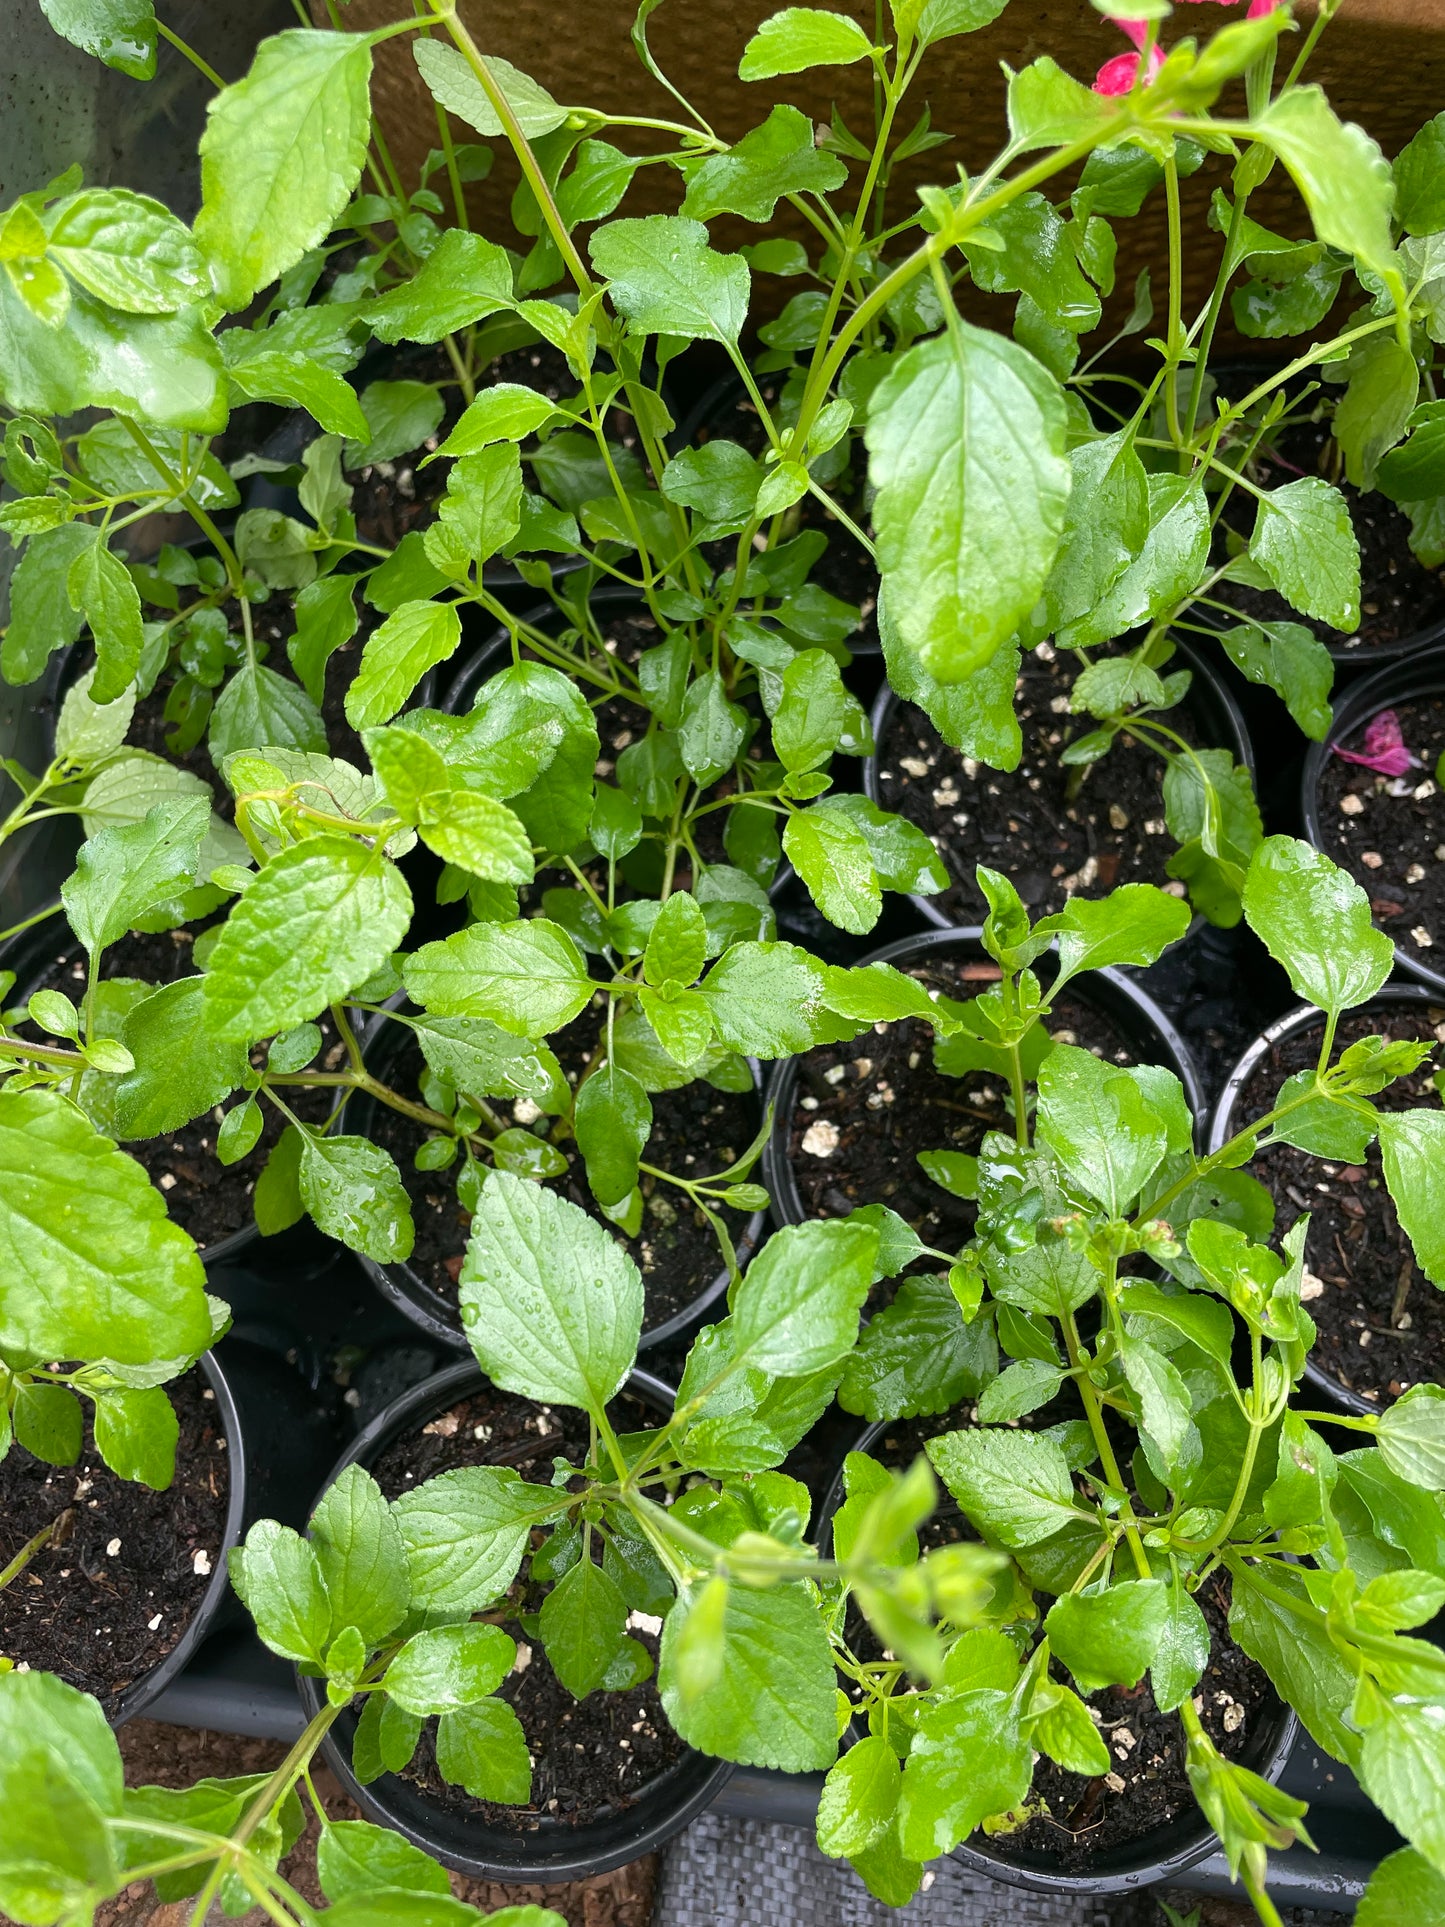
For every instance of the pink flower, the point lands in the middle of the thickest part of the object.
(1385, 750)
(1121, 74)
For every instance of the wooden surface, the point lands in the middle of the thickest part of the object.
(1382, 62)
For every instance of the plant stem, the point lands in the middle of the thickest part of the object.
(33, 1545)
(201, 66)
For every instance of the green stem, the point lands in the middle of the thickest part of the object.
(1090, 1396)
(201, 66)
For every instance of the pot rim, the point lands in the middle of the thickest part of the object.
(151, 1685)
(1123, 990)
(1299, 1018)
(1241, 747)
(403, 1285)
(570, 1860)
(1422, 674)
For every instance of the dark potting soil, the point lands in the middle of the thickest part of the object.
(111, 1595)
(1398, 594)
(208, 1199)
(590, 1757)
(845, 569)
(1052, 841)
(695, 1130)
(865, 1109)
(1381, 1322)
(1389, 832)
(393, 497)
(1075, 1815)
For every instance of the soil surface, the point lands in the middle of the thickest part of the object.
(158, 1755)
(111, 1595)
(1389, 832)
(1398, 594)
(865, 1109)
(591, 1757)
(845, 569)
(1147, 1786)
(208, 1199)
(1056, 832)
(1373, 1342)
(694, 1130)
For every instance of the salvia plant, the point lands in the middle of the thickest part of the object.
(1006, 497)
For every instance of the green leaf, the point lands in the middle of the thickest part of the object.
(451, 1666)
(1291, 660)
(326, 620)
(354, 1193)
(720, 480)
(319, 919)
(552, 1305)
(1400, 1764)
(582, 1623)
(1095, 1121)
(918, 1356)
(1167, 568)
(1182, 1652)
(969, 1759)
(483, 1750)
(261, 709)
(1305, 542)
(393, 1909)
(528, 977)
(463, 278)
(1109, 1638)
(1343, 176)
(282, 152)
(1405, 1886)
(677, 943)
(60, 1781)
(464, 1534)
(1412, 1145)
(1377, 405)
(99, 586)
(750, 177)
(1302, 1663)
(1203, 1321)
(484, 1061)
(801, 37)
(279, 1581)
(796, 1310)
(966, 449)
(1049, 108)
(180, 1070)
(667, 280)
(480, 511)
(1059, 1725)
(48, 1421)
(1013, 1485)
(128, 250)
(831, 854)
(1315, 921)
(479, 835)
(937, 19)
(766, 1000)
(612, 1121)
(859, 1798)
(135, 1433)
(813, 712)
(354, 1857)
(1134, 924)
(1164, 1403)
(1022, 1387)
(1105, 528)
(399, 416)
(449, 76)
(1411, 1435)
(361, 1557)
(122, 33)
(42, 617)
(773, 1703)
(122, 873)
(304, 382)
(504, 412)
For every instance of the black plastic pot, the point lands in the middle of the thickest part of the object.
(555, 1851)
(1112, 992)
(146, 1690)
(1423, 674)
(403, 1285)
(1210, 702)
(1165, 1854)
(1223, 1125)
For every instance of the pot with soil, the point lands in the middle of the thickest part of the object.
(210, 1201)
(850, 1119)
(1381, 1324)
(1140, 1822)
(119, 1598)
(1372, 801)
(1059, 831)
(610, 1778)
(675, 1249)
